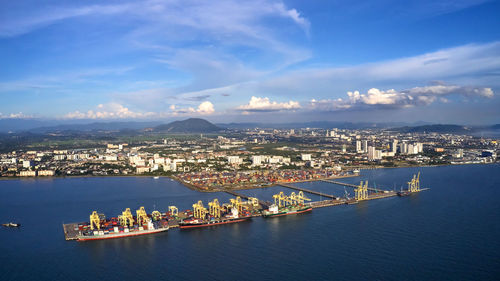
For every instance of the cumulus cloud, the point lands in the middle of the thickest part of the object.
(205, 108)
(18, 115)
(417, 96)
(264, 104)
(109, 111)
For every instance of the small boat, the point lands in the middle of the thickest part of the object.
(11, 224)
(156, 178)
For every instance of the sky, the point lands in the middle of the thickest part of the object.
(252, 61)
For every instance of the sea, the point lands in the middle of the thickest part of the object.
(449, 232)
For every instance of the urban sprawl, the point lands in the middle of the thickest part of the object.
(252, 158)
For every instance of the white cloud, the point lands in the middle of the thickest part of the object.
(471, 64)
(205, 108)
(264, 104)
(417, 96)
(109, 111)
(18, 115)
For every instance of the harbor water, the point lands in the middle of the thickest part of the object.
(449, 232)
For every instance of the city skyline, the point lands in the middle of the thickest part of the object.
(262, 61)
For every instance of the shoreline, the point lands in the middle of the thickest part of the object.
(193, 187)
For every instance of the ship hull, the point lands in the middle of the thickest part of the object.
(279, 214)
(82, 238)
(205, 224)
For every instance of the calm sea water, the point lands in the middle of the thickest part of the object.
(450, 232)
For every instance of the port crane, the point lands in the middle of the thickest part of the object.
(414, 184)
(361, 192)
(236, 203)
(126, 218)
(173, 210)
(142, 216)
(95, 220)
(252, 201)
(300, 198)
(280, 199)
(156, 215)
(199, 211)
(215, 208)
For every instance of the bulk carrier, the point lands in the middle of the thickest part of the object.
(125, 225)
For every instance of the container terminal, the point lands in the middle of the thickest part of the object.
(235, 211)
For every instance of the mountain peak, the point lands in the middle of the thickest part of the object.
(191, 125)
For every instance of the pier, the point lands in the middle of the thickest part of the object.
(264, 204)
(350, 185)
(308, 191)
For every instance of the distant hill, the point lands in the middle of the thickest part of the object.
(191, 125)
(97, 126)
(438, 128)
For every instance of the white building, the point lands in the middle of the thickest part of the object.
(27, 174)
(374, 154)
(358, 146)
(27, 164)
(234, 160)
(364, 146)
(306, 157)
(47, 173)
(256, 160)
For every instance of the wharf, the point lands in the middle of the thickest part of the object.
(308, 191)
(348, 184)
(70, 231)
(264, 204)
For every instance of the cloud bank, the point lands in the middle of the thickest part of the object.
(257, 104)
(392, 99)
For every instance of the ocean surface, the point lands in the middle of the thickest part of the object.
(450, 232)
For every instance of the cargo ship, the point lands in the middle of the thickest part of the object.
(275, 211)
(216, 215)
(125, 225)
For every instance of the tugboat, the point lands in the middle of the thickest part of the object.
(11, 224)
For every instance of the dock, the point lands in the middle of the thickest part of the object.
(264, 204)
(308, 191)
(70, 231)
(349, 185)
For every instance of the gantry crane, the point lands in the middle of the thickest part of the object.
(215, 208)
(236, 203)
(173, 210)
(252, 201)
(361, 192)
(142, 216)
(281, 199)
(95, 220)
(414, 184)
(199, 211)
(300, 198)
(156, 215)
(126, 218)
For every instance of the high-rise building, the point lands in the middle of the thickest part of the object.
(394, 146)
(358, 147)
(365, 146)
(374, 154)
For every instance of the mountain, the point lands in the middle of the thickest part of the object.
(438, 128)
(191, 125)
(97, 126)
(318, 124)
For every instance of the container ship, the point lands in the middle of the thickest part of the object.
(287, 205)
(125, 225)
(216, 214)
(276, 211)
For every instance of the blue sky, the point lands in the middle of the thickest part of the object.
(244, 61)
